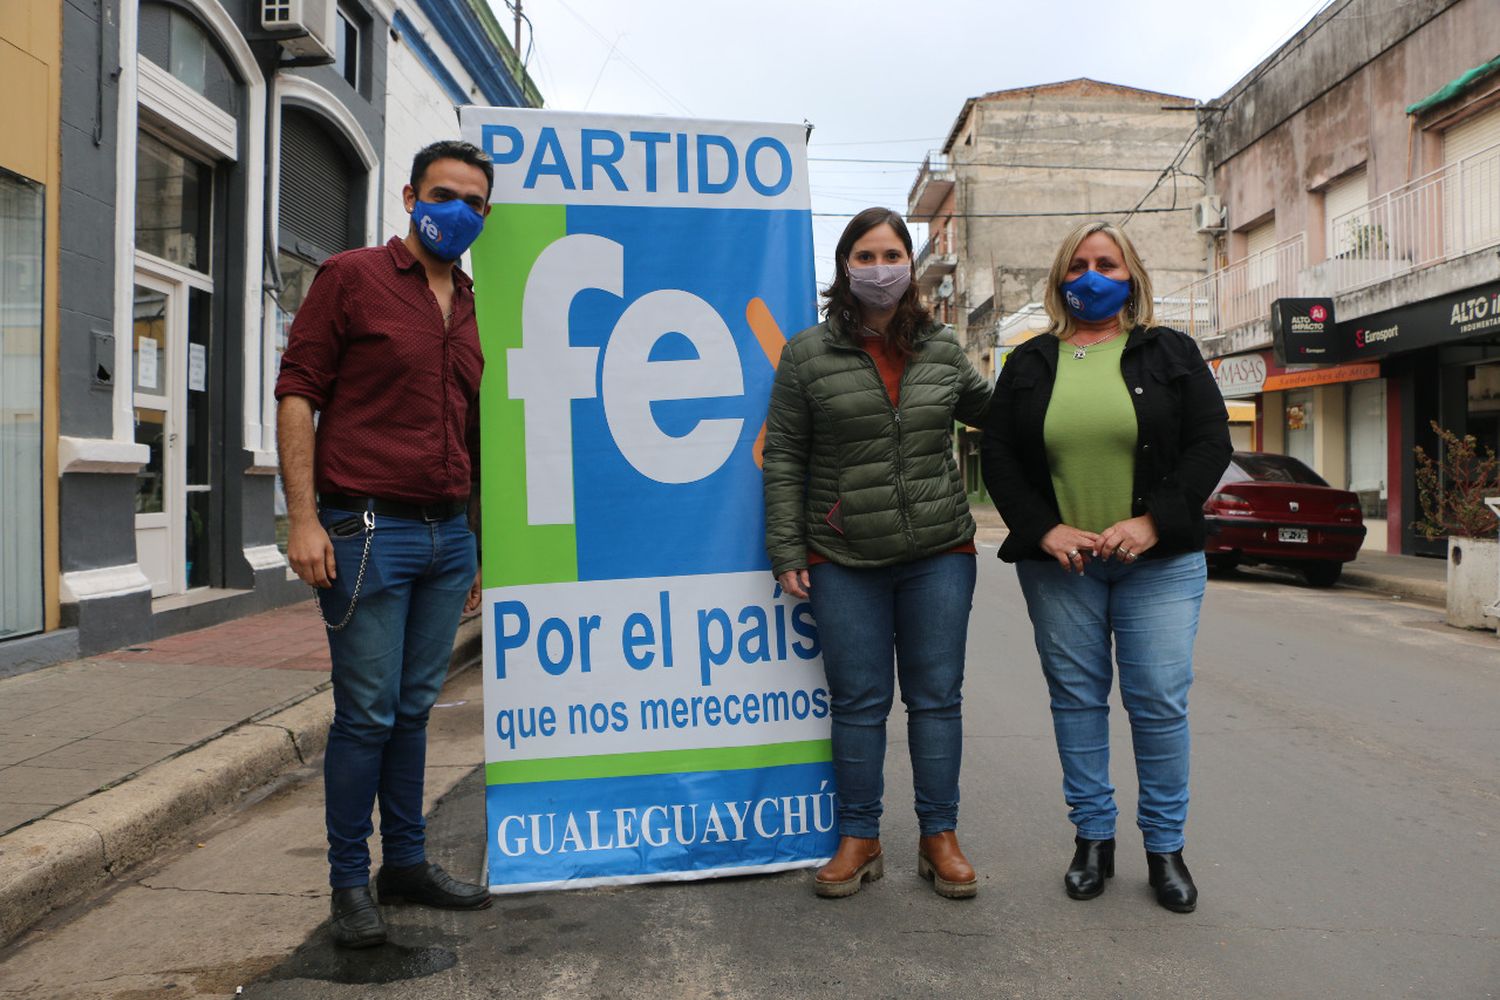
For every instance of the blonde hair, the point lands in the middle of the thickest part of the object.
(1138, 309)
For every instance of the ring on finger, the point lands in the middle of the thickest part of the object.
(1072, 553)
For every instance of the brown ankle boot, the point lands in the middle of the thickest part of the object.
(856, 861)
(940, 859)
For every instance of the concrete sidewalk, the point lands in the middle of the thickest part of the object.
(1409, 577)
(102, 759)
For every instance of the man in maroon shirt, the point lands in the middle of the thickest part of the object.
(386, 351)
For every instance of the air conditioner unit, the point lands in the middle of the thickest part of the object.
(945, 287)
(1208, 215)
(311, 26)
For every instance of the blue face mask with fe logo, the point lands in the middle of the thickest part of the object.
(1092, 297)
(447, 228)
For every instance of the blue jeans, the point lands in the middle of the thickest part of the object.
(388, 665)
(917, 615)
(1150, 610)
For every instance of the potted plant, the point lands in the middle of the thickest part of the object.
(1451, 490)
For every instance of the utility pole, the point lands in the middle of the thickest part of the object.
(517, 9)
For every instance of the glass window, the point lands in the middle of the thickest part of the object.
(189, 53)
(1367, 445)
(149, 341)
(1299, 426)
(150, 483)
(20, 405)
(346, 54)
(173, 40)
(173, 204)
(1268, 468)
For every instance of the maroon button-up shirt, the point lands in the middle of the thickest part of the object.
(397, 390)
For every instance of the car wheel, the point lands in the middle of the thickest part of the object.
(1323, 574)
(1224, 563)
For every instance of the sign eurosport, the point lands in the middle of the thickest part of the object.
(656, 705)
(1459, 316)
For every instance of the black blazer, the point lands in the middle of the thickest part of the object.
(1182, 447)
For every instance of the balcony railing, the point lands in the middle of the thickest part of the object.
(934, 181)
(1450, 212)
(1238, 295)
(933, 261)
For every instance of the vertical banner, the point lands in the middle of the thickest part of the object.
(656, 706)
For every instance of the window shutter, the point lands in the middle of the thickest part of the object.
(316, 188)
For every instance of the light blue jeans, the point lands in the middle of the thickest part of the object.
(389, 663)
(1143, 616)
(914, 618)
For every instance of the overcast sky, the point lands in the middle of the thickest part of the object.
(879, 80)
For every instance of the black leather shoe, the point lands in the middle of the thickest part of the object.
(428, 885)
(1093, 862)
(1172, 881)
(356, 920)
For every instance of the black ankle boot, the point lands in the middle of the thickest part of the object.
(1093, 862)
(1172, 881)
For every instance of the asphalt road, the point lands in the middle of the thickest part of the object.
(1346, 808)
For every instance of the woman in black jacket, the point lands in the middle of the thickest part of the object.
(1104, 438)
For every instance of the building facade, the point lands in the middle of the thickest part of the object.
(1021, 167)
(208, 164)
(1361, 163)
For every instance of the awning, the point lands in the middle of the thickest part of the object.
(1449, 91)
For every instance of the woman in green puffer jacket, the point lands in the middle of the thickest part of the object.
(867, 518)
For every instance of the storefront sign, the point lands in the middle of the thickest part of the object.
(1471, 313)
(1303, 332)
(657, 706)
(1249, 374)
(1240, 374)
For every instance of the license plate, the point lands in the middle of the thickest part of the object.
(1291, 534)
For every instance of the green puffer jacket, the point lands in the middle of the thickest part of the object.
(854, 478)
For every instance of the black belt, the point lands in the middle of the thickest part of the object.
(440, 511)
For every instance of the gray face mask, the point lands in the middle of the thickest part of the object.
(879, 286)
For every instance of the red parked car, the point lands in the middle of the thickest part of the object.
(1273, 509)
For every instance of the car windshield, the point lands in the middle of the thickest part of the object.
(1267, 468)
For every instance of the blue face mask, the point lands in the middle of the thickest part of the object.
(1092, 297)
(447, 228)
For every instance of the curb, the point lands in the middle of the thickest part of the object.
(1426, 591)
(78, 849)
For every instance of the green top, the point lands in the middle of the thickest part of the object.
(1090, 434)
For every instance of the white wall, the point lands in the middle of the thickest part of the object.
(418, 111)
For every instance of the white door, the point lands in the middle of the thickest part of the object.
(157, 319)
(171, 339)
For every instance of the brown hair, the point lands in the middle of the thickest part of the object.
(911, 316)
(1138, 310)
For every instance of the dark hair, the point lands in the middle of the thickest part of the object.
(452, 149)
(911, 316)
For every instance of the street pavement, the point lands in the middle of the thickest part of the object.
(1344, 814)
(70, 730)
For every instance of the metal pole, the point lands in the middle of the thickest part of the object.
(517, 9)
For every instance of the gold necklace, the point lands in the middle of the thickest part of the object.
(1080, 352)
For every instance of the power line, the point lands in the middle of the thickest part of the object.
(1170, 170)
(1317, 8)
(884, 142)
(983, 163)
(1020, 215)
(622, 57)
